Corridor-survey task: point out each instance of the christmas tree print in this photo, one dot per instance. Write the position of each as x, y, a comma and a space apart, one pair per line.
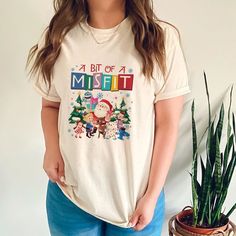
78, 111
124, 110
116, 110
79, 100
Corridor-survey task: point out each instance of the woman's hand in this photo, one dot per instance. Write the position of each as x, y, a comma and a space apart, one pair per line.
143, 213
53, 165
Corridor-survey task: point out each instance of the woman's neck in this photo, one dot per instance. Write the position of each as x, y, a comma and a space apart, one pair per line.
108, 16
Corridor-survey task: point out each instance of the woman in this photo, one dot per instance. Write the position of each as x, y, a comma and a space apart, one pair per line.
116, 60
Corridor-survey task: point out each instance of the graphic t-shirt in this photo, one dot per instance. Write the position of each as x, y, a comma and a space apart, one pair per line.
106, 115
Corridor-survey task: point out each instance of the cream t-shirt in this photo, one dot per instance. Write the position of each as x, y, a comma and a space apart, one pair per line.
106, 115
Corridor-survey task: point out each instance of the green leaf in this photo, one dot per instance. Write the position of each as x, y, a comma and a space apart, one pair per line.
228, 147
203, 169
194, 133
231, 210
194, 168
219, 126
212, 144
206, 186
217, 170
226, 181
207, 180
208, 99
234, 129
230, 169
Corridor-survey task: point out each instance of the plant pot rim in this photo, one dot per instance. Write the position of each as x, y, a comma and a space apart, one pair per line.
197, 229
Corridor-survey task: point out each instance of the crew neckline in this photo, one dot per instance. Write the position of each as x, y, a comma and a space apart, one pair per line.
106, 31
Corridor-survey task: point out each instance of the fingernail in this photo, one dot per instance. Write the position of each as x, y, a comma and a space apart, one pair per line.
62, 178
130, 224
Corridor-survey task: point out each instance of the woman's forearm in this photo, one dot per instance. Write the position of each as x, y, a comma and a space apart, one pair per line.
49, 118
53, 163
163, 151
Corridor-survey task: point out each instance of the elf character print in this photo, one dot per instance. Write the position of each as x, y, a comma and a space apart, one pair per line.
101, 107
78, 129
88, 118
122, 133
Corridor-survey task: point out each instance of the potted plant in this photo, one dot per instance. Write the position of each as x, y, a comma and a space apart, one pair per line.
210, 178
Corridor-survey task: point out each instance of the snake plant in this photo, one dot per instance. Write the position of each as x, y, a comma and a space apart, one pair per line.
215, 169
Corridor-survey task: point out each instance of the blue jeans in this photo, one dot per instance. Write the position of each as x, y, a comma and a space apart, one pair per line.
67, 219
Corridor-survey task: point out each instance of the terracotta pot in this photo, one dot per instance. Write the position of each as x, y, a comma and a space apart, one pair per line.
203, 231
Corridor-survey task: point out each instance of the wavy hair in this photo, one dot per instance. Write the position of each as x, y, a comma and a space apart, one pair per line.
148, 36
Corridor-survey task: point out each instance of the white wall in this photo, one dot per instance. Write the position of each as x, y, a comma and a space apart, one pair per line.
209, 40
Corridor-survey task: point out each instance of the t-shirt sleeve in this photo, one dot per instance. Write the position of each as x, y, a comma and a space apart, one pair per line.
40, 86
176, 82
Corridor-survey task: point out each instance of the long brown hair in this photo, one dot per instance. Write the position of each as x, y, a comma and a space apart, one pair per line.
148, 35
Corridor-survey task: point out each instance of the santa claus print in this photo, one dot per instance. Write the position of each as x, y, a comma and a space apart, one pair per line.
102, 112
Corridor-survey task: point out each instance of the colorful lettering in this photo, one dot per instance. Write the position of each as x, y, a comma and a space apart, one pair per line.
106, 82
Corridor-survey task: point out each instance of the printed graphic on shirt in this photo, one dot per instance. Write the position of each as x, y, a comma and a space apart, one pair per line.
100, 102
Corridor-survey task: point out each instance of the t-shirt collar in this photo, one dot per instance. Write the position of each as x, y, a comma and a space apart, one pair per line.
124, 24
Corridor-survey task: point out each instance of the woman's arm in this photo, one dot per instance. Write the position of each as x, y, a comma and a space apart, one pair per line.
167, 116
53, 163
